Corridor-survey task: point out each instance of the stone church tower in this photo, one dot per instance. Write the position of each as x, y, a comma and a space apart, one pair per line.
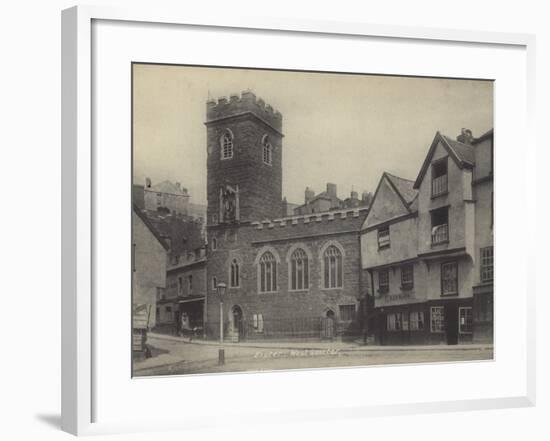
244, 171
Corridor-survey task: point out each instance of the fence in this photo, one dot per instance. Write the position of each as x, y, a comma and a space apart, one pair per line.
301, 328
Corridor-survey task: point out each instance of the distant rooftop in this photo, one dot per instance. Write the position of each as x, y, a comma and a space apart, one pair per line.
168, 187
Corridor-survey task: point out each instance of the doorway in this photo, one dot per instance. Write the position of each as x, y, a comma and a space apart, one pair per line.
451, 324
237, 322
327, 328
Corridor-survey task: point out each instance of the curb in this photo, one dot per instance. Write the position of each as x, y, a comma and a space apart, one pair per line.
468, 347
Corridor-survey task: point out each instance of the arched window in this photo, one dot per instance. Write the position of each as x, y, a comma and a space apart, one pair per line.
299, 270
332, 262
268, 272
235, 276
267, 150
226, 144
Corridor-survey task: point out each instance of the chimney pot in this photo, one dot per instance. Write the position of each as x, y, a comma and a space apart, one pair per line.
309, 194
465, 136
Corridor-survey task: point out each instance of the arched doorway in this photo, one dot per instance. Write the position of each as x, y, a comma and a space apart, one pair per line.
236, 331
328, 324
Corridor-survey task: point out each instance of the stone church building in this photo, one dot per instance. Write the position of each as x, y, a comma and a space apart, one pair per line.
286, 276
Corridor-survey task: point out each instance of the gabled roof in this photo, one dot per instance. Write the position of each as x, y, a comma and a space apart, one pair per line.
462, 154
403, 187
150, 226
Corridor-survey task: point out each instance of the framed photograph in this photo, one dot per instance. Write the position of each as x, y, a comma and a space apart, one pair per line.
276, 209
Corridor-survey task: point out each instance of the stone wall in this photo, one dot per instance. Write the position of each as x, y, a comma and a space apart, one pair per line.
246, 243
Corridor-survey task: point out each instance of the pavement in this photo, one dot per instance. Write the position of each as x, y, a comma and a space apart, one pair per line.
319, 345
174, 355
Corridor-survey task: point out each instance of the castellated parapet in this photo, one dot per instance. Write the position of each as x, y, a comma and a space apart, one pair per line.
237, 105
310, 218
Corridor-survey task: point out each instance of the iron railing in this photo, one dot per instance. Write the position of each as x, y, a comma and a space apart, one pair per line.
440, 233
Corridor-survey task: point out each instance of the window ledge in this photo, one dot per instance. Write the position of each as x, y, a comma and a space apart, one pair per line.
332, 289
443, 242
383, 247
454, 294
439, 195
486, 283
406, 288
298, 290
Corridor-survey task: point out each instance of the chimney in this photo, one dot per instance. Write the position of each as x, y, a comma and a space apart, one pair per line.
309, 195
465, 136
366, 196
147, 183
354, 195
331, 190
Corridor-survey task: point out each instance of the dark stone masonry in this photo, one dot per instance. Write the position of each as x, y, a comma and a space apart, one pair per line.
246, 223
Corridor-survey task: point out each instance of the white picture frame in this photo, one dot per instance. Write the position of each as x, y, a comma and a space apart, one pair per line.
80, 202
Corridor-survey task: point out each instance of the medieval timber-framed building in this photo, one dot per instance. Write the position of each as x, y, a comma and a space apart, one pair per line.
427, 246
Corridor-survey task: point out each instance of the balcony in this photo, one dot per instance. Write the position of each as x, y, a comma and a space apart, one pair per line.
440, 234
439, 185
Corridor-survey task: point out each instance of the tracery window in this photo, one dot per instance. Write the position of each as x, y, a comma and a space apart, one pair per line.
299, 270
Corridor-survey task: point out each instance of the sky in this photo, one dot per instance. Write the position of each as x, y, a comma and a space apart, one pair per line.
342, 128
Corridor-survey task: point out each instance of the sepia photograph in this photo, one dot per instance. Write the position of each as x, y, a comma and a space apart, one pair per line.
301, 220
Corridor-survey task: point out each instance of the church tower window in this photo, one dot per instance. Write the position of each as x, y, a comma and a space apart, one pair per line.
226, 142
267, 150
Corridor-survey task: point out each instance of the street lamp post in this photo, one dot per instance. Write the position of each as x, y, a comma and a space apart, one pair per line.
221, 287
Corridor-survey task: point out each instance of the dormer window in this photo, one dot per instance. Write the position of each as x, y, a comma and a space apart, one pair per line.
439, 177
267, 150
226, 144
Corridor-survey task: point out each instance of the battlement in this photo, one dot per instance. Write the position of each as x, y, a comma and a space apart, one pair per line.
327, 216
241, 104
